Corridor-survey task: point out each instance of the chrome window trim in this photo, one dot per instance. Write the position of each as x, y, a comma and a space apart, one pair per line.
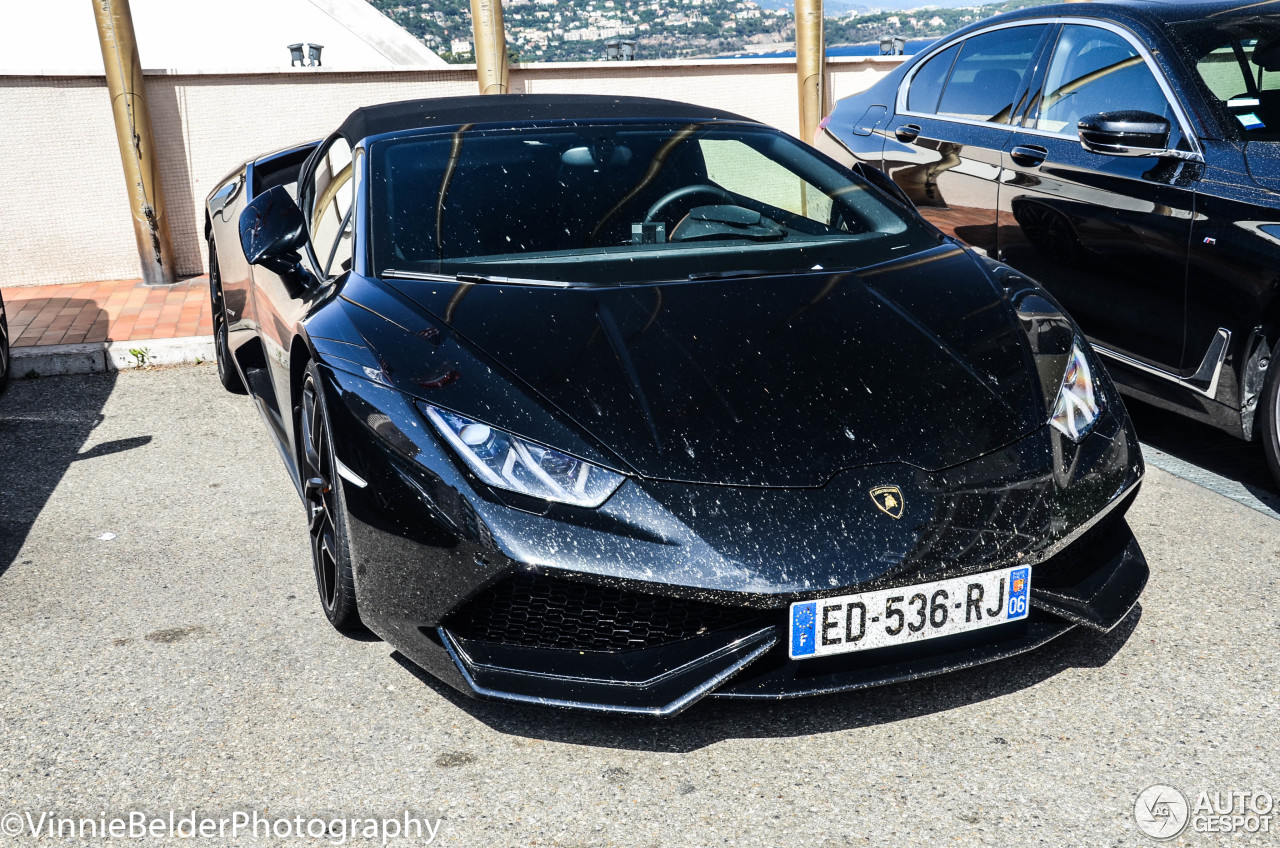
1184, 122
1204, 381
900, 105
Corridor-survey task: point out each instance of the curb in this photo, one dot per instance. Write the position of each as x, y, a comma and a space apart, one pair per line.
97, 357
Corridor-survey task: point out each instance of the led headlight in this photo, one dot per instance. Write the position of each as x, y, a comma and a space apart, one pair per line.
1077, 407
512, 463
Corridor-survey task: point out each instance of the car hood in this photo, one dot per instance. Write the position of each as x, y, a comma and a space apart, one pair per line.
770, 381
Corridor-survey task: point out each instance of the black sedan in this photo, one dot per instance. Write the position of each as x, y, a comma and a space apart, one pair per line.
1126, 156
616, 403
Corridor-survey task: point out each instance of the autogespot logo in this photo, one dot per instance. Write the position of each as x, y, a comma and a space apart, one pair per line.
1161, 811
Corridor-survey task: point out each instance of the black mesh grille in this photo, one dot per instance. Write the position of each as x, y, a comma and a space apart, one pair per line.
549, 612
1085, 555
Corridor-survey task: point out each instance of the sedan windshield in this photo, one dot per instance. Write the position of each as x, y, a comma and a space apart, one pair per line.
620, 203
1238, 58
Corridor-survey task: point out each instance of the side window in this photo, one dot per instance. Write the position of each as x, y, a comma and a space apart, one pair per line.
333, 191
989, 73
1095, 70
927, 84
748, 172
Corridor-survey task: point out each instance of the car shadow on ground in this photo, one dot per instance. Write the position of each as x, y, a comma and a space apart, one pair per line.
44, 425
1207, 449
711, 720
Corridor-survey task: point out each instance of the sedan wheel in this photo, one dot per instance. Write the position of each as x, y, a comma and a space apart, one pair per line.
4, 348
227, 373
1269, 417
326, 522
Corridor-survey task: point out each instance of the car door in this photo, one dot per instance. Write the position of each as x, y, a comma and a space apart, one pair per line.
1235, 241
951, 123
237, 276
326, 196
1106, 234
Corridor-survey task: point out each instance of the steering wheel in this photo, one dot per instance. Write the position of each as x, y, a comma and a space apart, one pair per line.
685, 191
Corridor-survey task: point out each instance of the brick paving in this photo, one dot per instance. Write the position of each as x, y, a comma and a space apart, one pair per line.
115, 310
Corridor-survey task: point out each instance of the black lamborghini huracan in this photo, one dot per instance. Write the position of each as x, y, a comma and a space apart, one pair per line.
615, 403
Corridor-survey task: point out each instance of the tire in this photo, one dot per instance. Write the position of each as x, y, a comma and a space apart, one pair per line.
326, 520
1268, 422
227, 373
4, 347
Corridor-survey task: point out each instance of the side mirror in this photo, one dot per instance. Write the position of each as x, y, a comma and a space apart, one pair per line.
272, 230
1128, 133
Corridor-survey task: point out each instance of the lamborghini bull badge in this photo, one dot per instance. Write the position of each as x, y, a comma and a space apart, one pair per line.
888, 500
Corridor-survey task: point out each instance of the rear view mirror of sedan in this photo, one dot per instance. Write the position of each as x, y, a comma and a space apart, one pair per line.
1129, 133
272, 230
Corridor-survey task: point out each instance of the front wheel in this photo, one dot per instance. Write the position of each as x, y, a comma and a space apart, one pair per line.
227, 373
326, 521
1269, 417
4, 346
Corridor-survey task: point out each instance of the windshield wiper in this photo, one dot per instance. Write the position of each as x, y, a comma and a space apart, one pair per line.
727, 236
730, 275
473, 279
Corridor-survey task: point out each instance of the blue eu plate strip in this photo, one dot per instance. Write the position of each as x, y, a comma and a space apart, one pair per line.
804, 622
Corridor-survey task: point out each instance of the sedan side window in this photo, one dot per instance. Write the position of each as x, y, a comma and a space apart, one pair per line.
989, 73
1095, 70
926, 86
330, 220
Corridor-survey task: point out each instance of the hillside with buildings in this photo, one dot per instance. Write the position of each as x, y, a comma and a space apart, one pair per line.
575, 30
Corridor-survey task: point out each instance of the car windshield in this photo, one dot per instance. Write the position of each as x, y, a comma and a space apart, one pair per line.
1239, 60
623, 202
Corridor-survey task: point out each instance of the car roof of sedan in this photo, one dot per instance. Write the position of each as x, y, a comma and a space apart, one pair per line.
516, 109
1165, 11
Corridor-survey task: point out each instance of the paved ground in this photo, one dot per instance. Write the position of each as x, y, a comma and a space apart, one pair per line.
184, 664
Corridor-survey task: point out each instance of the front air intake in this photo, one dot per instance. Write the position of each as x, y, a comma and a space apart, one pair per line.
550, 612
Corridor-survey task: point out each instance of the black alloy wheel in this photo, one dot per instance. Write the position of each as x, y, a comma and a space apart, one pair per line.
322, 495
227, 373
4, 347
1268, 422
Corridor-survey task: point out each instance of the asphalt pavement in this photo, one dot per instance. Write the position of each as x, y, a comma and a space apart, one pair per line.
162, 648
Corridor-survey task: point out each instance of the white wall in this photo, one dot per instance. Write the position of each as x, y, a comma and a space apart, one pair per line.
64, 215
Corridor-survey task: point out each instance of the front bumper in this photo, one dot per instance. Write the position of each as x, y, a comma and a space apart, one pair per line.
751, 661
686, 588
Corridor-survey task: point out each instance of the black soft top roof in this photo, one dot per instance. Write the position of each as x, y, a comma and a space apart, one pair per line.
516, 108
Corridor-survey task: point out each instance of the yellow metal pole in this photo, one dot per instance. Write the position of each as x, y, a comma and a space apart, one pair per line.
133, 132
491, 46
811, 61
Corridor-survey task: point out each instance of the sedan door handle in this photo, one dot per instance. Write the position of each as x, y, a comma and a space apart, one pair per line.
1028, 155
907, 133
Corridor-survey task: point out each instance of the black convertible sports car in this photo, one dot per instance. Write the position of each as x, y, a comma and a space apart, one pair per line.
1127, 156
616, 403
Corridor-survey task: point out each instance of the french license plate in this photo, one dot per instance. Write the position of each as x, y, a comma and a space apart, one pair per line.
908, 614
